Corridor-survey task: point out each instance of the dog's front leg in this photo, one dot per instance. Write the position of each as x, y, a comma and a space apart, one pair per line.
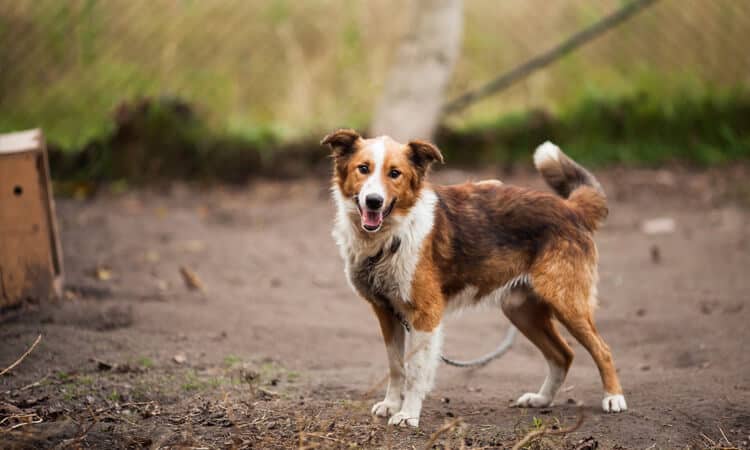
393, 335
424, 355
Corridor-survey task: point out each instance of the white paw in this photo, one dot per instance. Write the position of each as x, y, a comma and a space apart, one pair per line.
403, 419
614, 403
532, 400
385, 408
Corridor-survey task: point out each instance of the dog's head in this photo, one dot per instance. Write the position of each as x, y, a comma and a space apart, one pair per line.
382, 178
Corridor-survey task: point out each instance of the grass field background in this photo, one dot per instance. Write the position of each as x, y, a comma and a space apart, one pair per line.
270, 71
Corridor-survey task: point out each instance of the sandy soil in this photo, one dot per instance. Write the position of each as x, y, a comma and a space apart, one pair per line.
277, 352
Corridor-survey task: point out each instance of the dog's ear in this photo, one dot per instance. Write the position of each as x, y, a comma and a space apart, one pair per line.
423, 154
342, 142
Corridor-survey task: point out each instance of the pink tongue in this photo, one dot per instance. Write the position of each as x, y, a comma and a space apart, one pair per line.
372, 219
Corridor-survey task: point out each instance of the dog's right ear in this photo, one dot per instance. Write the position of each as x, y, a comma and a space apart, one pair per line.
342, 142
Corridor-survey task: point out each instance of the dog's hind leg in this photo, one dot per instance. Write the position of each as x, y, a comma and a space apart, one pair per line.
584, 330
570, 298
393, 336
534, 319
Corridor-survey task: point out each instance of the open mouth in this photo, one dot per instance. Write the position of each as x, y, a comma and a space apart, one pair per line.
373, 220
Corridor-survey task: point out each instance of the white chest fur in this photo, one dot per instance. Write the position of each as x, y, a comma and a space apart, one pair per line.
392, 275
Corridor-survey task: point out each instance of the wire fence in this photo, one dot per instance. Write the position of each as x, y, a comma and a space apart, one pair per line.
303, 66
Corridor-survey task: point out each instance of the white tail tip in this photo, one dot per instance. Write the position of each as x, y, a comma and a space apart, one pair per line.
546, 152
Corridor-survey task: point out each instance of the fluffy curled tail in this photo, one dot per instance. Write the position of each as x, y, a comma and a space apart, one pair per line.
572, 182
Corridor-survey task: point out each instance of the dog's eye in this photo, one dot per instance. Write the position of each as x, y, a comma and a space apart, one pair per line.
394, 173
363, 169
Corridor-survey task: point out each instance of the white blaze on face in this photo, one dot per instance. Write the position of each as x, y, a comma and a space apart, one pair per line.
374, 185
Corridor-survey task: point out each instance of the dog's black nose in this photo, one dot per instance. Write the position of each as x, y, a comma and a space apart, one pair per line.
373, 201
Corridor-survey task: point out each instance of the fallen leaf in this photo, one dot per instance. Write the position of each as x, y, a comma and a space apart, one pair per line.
193, 246
191, 279
103, 274
152, 256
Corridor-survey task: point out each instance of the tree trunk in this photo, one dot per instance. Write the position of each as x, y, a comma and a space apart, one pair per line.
412, 98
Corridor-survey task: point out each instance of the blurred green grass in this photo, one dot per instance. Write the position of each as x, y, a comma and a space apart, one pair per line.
636, 129
264, 75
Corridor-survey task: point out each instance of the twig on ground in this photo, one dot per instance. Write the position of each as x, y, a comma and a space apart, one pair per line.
16, 416
328, 438
536, 434
311, 446
28, 386
34, 384
709, 440
28, 419
725, 437
191, 279
18, 361
442, 430
84, 432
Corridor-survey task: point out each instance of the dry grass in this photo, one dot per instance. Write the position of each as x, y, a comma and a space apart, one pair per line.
315, 65
223, 411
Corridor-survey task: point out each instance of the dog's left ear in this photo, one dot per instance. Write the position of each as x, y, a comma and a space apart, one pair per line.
423, 154
341, 142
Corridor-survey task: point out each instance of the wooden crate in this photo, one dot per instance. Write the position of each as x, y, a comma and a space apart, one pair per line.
30, 253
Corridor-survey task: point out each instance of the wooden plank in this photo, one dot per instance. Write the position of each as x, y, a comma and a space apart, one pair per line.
45, 183
25, 253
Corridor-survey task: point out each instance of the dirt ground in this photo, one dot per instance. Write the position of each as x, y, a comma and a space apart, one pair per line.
277, 352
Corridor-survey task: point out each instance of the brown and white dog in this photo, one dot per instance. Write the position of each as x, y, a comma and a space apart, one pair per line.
417, 251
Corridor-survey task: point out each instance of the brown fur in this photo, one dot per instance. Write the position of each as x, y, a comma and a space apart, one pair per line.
428, 297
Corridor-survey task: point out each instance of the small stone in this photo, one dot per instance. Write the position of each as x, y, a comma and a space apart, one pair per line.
180, 358
655, 254
659, 225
